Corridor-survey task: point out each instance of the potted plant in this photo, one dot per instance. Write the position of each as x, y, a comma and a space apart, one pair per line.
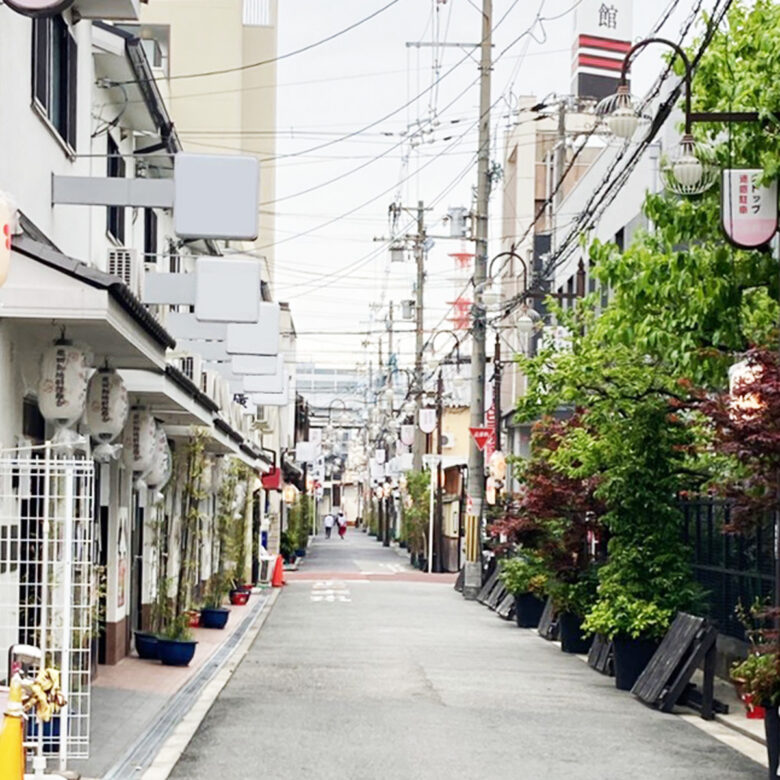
175, 645
635, 626
572, 600
286, 548
214, 614
525, 577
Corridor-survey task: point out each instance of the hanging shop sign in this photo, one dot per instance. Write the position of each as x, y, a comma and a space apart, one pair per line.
748, 209
62, 390
140, 441
407, 435
427, 420
39, 7
107, 409
273, 479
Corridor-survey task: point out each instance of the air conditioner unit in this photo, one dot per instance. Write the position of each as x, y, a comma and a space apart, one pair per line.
447, 440
191, 366
124, 263
262, 419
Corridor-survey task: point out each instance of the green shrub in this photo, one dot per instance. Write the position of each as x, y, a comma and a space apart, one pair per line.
525, 573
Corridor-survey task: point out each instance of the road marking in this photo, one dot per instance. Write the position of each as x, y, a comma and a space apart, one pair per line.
330, 591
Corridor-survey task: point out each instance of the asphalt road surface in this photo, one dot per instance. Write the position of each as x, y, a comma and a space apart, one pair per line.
362, 671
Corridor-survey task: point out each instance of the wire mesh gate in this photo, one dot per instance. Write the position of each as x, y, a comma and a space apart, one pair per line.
46, 582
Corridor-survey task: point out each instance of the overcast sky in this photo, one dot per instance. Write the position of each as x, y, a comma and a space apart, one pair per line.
332, 274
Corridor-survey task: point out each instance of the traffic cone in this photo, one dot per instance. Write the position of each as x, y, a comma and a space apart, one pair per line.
11, 736
278, 578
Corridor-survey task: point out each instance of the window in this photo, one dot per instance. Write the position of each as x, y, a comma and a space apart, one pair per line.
115, 215
257, 13
150, 236
55, 55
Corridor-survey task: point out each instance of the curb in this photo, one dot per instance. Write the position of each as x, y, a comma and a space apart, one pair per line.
169, 754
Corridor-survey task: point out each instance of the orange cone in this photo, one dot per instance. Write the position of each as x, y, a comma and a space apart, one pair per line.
278, 577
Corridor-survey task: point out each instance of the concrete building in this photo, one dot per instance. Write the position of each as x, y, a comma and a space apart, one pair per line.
83, 98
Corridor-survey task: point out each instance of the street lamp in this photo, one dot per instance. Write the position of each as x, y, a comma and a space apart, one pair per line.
690, 170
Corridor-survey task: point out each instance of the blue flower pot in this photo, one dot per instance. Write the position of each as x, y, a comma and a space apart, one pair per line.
176, 652
214, 617
146, 645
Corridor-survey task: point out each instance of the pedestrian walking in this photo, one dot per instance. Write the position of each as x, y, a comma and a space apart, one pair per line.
329, 521
342, 521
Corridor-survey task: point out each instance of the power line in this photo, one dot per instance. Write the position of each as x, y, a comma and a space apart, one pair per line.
280, 57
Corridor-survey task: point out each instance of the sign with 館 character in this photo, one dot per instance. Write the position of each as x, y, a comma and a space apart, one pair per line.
748, 208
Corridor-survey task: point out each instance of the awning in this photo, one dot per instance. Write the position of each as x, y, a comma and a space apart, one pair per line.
47, 290
292, 473
165, 397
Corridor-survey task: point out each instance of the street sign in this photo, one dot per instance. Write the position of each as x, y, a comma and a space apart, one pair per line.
481, 436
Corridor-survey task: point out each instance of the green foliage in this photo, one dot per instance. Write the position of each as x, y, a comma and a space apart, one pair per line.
416, 510
575, 597
299, 523
286, 546
190, 467
178, 629
759, 676
216, 591
524, 573
620, 614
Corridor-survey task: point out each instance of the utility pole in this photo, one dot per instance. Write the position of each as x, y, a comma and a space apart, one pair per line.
438, 534
472, 576
390, 367
419, 256
497, 389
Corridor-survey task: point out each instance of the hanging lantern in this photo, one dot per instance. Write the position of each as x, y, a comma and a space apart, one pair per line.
62, 390
497, 466
107, 409
744, 384
379, 456
7, 229
162, 465
139, 441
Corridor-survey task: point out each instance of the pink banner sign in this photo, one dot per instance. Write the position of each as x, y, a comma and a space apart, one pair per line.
748, 208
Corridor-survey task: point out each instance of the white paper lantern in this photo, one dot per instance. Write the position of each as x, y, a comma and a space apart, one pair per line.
107, 405
62, 390
162, 466
139, 441
407, 435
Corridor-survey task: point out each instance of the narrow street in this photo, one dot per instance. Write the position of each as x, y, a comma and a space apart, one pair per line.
364, 671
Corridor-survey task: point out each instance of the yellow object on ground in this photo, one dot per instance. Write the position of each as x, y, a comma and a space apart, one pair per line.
12, 735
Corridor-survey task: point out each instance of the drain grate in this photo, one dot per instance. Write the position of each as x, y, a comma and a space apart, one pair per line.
141, 753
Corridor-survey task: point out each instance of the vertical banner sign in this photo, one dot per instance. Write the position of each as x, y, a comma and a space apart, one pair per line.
748, 209
490, 422
427, 420
407, 435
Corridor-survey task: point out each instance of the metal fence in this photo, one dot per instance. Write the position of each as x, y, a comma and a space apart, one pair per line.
732, 568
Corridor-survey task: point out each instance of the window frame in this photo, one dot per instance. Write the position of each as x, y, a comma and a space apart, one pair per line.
116, 168
63, 124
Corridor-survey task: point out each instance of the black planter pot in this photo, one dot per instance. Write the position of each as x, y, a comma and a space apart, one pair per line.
422, 563
631, 658
572, 639
772, 732
528, 610
214, 617
146, 645
176, 652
